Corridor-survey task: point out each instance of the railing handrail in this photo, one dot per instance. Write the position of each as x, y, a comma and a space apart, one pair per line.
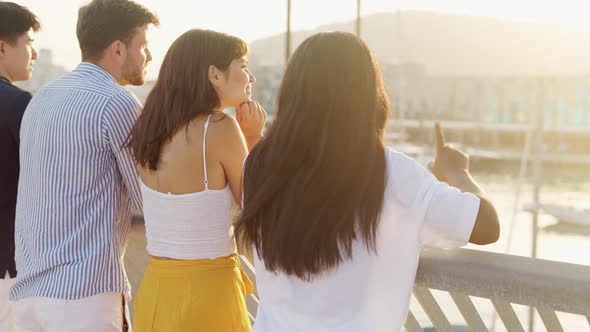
522, 280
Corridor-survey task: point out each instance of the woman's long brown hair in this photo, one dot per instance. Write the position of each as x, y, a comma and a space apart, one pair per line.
316, 182
183, 90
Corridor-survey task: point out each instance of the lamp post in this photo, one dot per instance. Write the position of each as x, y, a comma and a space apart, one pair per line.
358, 18
288, 34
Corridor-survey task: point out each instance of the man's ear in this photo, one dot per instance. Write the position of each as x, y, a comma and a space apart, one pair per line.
2, 47
118, 51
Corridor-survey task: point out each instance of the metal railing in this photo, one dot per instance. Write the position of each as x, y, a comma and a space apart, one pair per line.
547, 286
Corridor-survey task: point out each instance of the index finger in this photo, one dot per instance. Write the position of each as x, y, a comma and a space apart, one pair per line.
439, 138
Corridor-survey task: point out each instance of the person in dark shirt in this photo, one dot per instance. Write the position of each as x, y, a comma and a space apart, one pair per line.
17, 55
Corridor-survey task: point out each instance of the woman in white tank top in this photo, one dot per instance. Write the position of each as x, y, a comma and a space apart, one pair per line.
190, 157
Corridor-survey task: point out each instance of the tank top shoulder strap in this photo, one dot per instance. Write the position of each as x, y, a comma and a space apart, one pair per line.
204, 151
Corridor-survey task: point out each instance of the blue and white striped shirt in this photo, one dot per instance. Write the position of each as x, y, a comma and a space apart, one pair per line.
76, 189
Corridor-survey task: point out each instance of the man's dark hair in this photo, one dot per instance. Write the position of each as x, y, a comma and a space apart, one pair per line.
16, 20
102, 22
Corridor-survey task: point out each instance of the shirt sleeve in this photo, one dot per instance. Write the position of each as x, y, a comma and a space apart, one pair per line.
18, 107
121, 113
445, 216
449, 216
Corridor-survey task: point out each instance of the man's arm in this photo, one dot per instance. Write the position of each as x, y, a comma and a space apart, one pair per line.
118, 120
17, 110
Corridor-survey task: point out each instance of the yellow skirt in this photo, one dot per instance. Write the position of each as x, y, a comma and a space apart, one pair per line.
193, 295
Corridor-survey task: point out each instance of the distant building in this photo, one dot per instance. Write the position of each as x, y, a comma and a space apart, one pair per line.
416, 94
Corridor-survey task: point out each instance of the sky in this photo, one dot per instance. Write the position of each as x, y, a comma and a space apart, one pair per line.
254, 19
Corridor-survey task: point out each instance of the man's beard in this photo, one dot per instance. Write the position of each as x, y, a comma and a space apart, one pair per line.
133, 74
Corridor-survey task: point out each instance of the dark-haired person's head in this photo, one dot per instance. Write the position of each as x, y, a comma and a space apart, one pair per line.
316, 182
112, 34
17, 54
203, 71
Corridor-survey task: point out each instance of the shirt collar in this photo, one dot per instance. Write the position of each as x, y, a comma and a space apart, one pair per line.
94, 70
4, 79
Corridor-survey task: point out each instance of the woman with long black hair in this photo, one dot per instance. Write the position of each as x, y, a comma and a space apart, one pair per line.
336, 218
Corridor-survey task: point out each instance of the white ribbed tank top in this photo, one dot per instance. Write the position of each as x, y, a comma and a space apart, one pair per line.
189, 226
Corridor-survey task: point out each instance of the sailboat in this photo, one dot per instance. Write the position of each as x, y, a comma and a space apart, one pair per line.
563, 213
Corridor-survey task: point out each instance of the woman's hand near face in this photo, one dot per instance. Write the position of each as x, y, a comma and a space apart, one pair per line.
251, 118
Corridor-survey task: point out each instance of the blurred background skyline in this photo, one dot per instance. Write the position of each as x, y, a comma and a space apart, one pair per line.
259, 19
456, 60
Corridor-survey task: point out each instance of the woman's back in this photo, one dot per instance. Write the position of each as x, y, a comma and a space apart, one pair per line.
188, 202
181, 166
371, 291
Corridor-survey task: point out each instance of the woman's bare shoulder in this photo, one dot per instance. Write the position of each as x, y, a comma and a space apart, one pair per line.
223, 124
225, 131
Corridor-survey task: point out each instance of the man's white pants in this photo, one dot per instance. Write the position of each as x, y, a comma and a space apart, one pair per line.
6, 322
100, 313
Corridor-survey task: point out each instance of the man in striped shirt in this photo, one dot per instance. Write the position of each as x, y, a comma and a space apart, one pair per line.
78, 181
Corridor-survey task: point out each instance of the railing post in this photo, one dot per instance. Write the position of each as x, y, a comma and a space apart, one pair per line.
550, 320
537, 176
